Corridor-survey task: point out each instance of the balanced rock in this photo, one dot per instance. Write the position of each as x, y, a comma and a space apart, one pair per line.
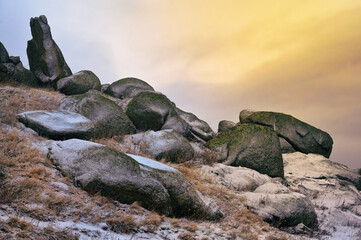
167, 144
57, 124
127, 88
154, 111
78, 83
300, 135
252, 146
225, 125
45, 58
108, 118
129, 178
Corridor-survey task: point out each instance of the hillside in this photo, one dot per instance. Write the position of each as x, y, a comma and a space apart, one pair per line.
82, 160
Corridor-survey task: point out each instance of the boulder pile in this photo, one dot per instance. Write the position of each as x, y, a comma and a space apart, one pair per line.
134, 115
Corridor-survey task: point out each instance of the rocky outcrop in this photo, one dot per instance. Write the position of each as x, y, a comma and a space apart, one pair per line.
154, 111
127, 88
332, 189
167, 144
108, 118
12, 68
252, 146
57, 124
300, 135
128, 178
78, 83
265, 196
225, 125
104, 87
45, 58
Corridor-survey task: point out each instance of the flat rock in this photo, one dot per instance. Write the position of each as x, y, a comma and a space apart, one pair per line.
107, 116
57, 124
45, 58
128, 178
167, 144
252, 146
78, 83
300, 135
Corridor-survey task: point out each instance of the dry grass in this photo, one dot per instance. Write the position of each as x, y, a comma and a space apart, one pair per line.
123, 224
152, 221
186, 236
190, 226
14, 100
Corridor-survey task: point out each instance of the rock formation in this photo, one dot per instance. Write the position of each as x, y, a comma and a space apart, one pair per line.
12, 68
251, 146
78, 83
45, 58
129, 178
300, 135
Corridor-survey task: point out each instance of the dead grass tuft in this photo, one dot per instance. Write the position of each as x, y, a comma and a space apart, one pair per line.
186, 236
124, 224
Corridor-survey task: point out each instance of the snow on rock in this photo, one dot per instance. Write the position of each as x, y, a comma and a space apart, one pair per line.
152, 164
331, 187
57, 124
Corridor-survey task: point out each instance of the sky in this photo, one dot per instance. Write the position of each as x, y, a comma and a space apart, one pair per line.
216, 57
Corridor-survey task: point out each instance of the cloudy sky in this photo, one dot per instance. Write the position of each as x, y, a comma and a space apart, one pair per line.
215, 58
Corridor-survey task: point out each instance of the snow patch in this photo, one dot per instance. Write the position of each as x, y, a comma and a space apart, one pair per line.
152, 164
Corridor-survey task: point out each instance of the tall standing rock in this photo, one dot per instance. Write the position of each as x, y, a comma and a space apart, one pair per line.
45, 58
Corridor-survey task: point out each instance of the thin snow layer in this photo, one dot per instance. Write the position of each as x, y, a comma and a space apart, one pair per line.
58, 120
336, 201
152, 164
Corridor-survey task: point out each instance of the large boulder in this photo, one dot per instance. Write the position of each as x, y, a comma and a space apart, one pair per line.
45, 58
281, 209
127, 88
167, 144
4, 56
199, 129
128, 178
108, 118
300, 135
78, 83
154, 111
57, 124
225, 125
252, 146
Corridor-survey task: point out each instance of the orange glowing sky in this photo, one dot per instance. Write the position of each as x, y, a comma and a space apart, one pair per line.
217, 57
